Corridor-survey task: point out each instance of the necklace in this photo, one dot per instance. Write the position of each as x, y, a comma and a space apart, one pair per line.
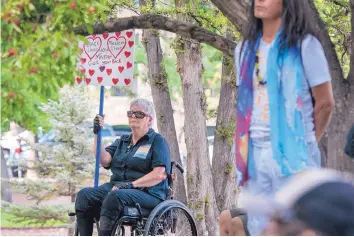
261, 81
130, 146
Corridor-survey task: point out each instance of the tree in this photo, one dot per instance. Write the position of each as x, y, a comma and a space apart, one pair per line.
63, 165
161, 96
223, 157
38, 53
201, 195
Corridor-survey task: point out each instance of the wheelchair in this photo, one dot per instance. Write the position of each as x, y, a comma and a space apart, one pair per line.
170, 217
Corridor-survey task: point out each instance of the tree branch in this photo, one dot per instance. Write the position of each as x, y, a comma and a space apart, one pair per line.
158, 22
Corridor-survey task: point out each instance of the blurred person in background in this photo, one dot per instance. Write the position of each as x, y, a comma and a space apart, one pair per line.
314, 202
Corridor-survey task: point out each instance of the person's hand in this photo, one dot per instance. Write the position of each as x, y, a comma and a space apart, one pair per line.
98, 122
124, 185
174, 176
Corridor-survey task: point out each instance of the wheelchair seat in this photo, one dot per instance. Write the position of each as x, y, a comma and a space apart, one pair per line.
131, 211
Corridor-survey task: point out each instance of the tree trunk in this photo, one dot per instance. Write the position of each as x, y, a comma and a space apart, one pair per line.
201, 199
162, 100
351, 73
223, 157
201, 196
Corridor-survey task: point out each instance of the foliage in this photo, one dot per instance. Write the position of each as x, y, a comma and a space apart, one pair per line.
39, 49
38, 46
62, 165
38, 53
336, 15
37, 216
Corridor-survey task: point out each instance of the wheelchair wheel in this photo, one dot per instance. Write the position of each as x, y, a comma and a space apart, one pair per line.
172, 218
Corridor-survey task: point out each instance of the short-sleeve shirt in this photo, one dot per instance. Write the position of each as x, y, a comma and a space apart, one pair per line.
316, 72
130, 163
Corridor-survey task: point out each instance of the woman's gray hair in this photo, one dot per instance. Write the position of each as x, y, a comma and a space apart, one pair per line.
147, 106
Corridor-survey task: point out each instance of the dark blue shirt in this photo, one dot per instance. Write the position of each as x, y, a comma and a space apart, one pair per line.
130, 163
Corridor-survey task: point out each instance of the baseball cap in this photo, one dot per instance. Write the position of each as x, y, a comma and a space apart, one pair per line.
321, 198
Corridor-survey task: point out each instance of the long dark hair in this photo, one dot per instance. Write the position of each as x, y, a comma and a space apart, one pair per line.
296, 23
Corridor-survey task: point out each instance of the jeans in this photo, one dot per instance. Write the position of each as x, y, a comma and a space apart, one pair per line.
101, 202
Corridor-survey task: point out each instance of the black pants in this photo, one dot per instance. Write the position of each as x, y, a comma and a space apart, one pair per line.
102, 202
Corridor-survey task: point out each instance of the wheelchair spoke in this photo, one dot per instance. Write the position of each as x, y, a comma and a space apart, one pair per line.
173, 222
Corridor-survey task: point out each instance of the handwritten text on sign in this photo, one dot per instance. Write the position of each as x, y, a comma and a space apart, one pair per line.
107, 59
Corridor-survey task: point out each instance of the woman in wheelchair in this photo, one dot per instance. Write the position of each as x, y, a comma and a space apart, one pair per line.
139, 163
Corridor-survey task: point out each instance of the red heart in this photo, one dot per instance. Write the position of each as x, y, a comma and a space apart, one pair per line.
117, 34
105, 35
88, 80
83, 60
114, 50
109, 71
99, 79
120, 69
129, 34
78, 80
131, 43
83, 70
91, 72
129, 65
115, 81
127, 81
127, 54
94, 45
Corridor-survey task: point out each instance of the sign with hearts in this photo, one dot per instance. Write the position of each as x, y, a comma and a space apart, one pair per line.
107, 59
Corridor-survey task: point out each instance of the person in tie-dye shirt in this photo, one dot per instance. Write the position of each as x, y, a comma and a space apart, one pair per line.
300, 77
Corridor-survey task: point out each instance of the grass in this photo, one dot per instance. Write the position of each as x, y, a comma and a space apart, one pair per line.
7, 220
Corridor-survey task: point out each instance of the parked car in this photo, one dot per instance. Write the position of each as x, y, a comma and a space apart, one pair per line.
107, 133
121, 130
16, 153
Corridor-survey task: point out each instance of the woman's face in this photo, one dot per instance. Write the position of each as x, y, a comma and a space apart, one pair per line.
135, 120
267, 9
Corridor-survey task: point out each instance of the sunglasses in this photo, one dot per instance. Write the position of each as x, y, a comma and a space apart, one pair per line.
137, 114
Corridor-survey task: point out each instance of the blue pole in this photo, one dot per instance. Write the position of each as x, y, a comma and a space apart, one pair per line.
98, 148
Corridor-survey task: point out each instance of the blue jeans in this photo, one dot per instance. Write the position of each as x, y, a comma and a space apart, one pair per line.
102, 201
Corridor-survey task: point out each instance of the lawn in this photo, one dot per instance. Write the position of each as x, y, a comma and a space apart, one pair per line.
7, 220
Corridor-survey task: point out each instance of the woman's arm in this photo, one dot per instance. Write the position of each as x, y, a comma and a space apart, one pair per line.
105, 157
156, 176
324, 105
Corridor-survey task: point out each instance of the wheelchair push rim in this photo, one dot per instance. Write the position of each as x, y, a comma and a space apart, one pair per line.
171, 219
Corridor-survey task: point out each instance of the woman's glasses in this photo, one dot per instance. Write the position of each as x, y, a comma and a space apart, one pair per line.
137, 114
